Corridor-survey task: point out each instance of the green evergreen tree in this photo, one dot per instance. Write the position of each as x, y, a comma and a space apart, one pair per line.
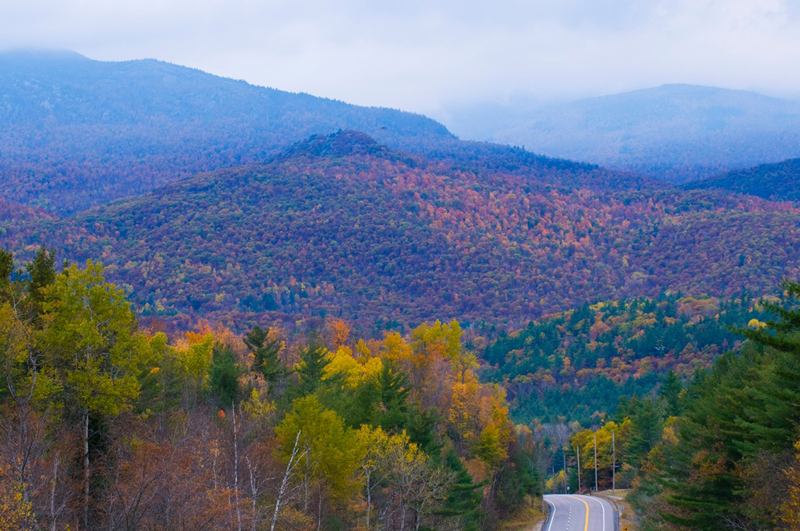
6, 270
42, 273
311, 369
670, 393
772, 418
646, 425
266, 359
464, 495
6, 267
224, 375
699, 473
393, 388
420, 426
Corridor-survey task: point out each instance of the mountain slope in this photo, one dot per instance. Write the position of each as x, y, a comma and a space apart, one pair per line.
76, 132
612, 349
342, 225
675, 131
780, 181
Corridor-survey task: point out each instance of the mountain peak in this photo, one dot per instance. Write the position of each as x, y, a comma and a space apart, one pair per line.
342, 143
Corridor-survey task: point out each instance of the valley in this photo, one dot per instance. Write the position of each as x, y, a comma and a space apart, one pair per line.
230, 306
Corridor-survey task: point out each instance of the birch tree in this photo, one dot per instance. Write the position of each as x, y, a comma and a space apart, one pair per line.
95, 351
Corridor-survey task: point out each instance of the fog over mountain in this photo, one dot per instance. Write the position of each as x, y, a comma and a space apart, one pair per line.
678, 132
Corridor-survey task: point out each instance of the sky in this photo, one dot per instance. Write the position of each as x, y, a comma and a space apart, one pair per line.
433, 56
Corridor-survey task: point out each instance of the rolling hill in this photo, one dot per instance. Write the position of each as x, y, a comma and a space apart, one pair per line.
76, 133
342, 225
780, 181
677, 132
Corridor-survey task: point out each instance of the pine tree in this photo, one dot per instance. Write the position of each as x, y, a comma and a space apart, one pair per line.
670, 392
772, 417
464, 496
224, 375
646, 424
394, 389
266, 359
311, 369
42, 273
6, 267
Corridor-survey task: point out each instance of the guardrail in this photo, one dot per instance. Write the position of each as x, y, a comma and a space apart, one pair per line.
548, 515
617, 511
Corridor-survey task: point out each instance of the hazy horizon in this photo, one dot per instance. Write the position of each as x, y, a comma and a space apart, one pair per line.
437, 57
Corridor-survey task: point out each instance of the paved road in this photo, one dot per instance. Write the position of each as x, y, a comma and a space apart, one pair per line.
579, 513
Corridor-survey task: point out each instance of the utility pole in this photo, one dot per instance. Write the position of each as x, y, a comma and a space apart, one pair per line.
613, 464
564, 452
595, 462
578, 450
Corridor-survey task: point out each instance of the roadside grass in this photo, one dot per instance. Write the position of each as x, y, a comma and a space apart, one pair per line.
529, 518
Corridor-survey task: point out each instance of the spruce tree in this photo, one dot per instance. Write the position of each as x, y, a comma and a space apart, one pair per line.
42, 273
224, 375
393, 387
311, 369
670, 393
266, 359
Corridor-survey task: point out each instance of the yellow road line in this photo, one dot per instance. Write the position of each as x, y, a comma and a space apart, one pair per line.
586, 524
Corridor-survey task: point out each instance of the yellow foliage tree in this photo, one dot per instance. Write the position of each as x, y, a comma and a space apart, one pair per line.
353, 371
16, 514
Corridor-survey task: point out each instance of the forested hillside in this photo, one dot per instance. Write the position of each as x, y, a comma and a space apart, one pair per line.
718, 450
714, 445
76, 132
727, 454
780, 181
575, 366
343, 226
106, 426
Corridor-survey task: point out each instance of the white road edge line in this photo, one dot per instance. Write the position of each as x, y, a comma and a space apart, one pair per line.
553, 505
602, 506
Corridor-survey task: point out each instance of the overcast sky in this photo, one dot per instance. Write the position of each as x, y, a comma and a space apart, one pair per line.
432, 55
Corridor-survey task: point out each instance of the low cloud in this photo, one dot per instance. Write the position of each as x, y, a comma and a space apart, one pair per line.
431, 55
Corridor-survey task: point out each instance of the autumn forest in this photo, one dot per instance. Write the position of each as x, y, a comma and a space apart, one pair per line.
229, 307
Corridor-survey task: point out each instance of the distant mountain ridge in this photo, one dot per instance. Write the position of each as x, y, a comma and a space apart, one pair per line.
342, 225
677, 132
75, 132
780, 181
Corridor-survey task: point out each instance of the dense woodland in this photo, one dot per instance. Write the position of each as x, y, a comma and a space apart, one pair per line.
773, 181
342, 226
575, 366
106, 426
718, 450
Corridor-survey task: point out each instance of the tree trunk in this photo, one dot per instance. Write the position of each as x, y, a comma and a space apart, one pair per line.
236, 468
319, 510
53, 494
254, 495
369, 498
86, 474
293, 460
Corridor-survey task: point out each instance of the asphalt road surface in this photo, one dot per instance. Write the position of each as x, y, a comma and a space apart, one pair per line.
579, 513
